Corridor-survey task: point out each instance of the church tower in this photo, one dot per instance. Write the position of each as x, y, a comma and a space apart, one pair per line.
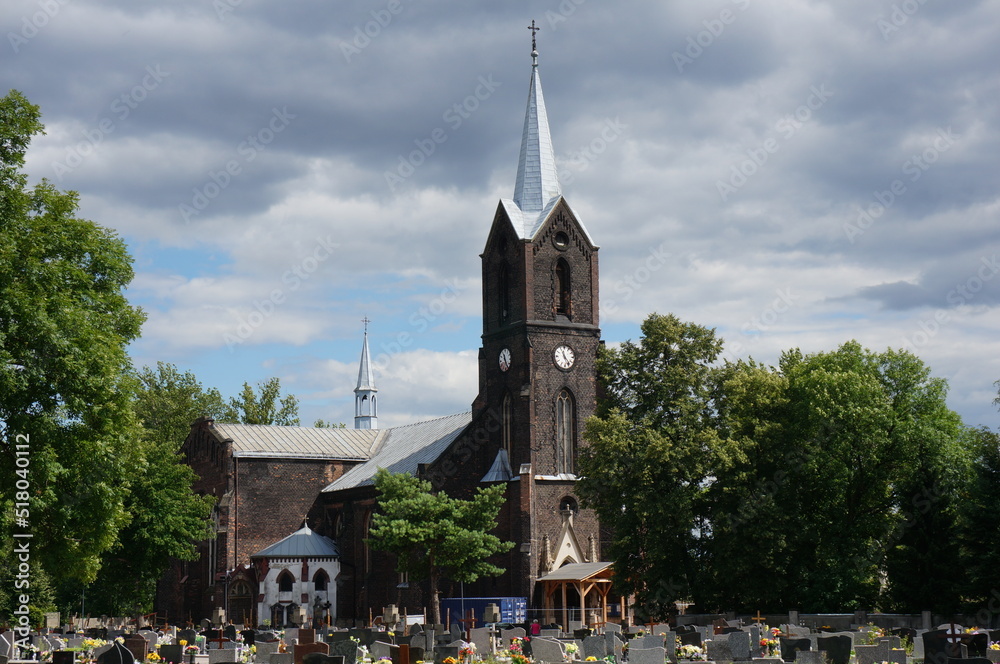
365, 399
537, 374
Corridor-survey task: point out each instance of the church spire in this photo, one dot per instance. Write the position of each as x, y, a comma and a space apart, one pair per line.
365, 399
537, 180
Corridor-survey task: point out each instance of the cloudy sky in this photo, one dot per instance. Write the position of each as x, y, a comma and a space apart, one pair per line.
792, 173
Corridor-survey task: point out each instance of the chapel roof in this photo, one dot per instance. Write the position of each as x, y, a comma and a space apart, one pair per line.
280, 442
303, 543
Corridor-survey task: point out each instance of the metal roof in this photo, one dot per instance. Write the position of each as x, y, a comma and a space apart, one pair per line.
266, 441
536, 189
303, 543
500, 470
403, 448
576, 572
366, 377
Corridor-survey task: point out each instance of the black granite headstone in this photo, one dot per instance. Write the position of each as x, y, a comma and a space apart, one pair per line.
789, 646
172, 653
116, 654
837, 648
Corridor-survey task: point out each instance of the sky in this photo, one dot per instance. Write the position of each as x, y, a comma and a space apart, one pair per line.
793, 174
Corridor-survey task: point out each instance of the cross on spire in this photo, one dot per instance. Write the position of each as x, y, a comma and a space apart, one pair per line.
534, 48
365, 320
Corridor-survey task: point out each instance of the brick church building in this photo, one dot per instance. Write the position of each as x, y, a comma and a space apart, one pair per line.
311, 489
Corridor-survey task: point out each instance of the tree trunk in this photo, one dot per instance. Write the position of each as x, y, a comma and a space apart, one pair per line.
435, 596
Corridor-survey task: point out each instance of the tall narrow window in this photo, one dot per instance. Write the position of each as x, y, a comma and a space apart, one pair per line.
564, 304
507, 423
366, 552
285, 581
504, 295
320, 580
565, 446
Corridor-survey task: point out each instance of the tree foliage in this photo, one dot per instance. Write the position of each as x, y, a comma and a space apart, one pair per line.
267, 407
65, 382
828, 483
435, 536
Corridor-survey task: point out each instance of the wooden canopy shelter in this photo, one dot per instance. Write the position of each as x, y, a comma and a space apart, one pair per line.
585, 578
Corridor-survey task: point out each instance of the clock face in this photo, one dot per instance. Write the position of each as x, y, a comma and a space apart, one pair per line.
505, 359
564, 357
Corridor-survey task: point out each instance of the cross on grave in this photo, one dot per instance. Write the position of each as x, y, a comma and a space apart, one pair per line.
758, 618
469, 622
219, 639
952, 635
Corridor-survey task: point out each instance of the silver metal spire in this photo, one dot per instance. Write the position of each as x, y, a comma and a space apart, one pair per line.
365, 399
537, 180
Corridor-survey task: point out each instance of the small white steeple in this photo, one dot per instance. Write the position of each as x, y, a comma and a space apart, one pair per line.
537, 180
365, 394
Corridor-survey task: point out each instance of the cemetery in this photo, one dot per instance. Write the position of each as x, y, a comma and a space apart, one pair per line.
396, 638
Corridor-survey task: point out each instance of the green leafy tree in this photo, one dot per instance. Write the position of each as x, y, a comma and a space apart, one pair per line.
321, 424
435, 536
980, 518
168, 518
652, 445
268, 407
65, 383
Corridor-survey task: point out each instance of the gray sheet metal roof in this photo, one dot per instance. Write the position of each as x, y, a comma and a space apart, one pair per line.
403, 448
263, 441
303, 543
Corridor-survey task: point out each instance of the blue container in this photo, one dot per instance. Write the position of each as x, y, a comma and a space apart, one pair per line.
512, 609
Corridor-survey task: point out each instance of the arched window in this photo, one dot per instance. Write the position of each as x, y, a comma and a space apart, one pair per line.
507, 423
565, 438
285, 581
366, 550
569, 504
563, 299
320, 580
504, 295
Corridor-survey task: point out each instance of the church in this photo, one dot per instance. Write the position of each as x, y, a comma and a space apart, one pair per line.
294, 504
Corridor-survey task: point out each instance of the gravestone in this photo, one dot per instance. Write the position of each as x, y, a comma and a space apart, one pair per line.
875, 654
306, 635
647, 655
291, 635
63, 657
594, 646
348, 649
612, 627
550, 633
116, 653
280, 658
809, 657
754, 632
137, 646
507, 634
690, 639
739, 645
223, 656
442, 653
547, 650
171, 653
480, 636
229, 631
648, 641
613, 644
100, 650
837, 648
320, 658
897, 656
789, 646
188, 635
265, 649
300, 650
718, 649
379, 649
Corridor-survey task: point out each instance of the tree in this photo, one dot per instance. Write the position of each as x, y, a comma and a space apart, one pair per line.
321, 424
435, 536
653, 444
65, 385
267, 408
980, 517
168, 518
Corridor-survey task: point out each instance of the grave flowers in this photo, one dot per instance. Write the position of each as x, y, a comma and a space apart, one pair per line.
449, 660
572, 649
995, 645
690, 652
466, 652
769, 646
